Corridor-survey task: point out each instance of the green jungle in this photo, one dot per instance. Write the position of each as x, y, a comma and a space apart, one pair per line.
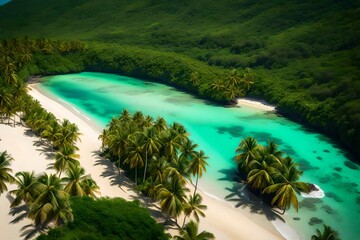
304, 55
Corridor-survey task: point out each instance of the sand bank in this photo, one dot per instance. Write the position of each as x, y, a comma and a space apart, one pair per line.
261, 105
224, 220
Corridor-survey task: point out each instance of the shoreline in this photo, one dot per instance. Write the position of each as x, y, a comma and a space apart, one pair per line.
254, 103
224, 226
265, 226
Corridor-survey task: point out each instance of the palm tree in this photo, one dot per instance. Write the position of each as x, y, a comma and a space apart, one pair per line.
327, 234
5, 100
104, 137
190, 232
194, 79
160, 124
172, 197
259, 177
194, 206
273, 152
233, 78
157, 169
150, 143
170, 144
217, 86
75, 175
285, 189
64, 157
68, 134
118, 142
50, 131
197, 166
5, 170
135, 157
26, 190
52, 204
247, 79
91, 189
247, 151
125, 116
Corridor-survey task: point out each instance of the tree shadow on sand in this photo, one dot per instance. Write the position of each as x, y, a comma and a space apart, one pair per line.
242, 197
111, 172
116, 177
20, 213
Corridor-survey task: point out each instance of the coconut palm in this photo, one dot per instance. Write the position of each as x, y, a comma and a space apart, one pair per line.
194, 206
91, 189
194, 79
118, 141
151, 145
68, 134
138, 118
50, 131
247, 79
217, 86
190, 232
259, 177
273, 152
52, 204
135, 157
327, 234
5, 100
285, 189
26, 188
171, 142
64, 157
197, 166
157, 168
104, 137
125, 116
233, 78
181, 131
75, 176
247, 151
172, 197
160, 124
5, 170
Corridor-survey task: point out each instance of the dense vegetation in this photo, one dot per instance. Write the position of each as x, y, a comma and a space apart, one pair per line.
304, 53
269, 174
107, 218
43, 198
47, 196
166, 157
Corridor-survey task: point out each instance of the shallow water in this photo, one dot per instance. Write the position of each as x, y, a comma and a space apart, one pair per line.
218, 131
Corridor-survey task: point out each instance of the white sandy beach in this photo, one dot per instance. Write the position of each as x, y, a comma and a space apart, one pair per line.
249, 102
222, 219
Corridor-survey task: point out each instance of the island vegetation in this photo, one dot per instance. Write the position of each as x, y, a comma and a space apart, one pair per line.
269, 174
304, 54
165, 156
108, 218
302, 65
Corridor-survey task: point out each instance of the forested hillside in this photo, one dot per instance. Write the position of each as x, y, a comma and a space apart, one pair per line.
305, 55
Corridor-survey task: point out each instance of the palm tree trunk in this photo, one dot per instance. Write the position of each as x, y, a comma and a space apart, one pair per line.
197, 178
136, 176
146, 159
184, 221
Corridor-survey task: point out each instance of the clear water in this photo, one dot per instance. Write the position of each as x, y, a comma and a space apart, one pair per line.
218, 130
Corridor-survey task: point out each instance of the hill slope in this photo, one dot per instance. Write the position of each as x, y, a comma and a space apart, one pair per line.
305, 54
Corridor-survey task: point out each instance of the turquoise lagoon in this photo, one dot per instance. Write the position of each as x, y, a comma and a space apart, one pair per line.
218, 131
